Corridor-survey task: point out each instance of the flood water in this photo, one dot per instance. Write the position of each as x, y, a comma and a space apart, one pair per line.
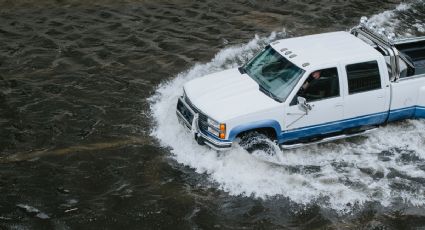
89, 138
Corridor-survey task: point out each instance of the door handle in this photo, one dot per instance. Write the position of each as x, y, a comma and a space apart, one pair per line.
338, 105
380, 96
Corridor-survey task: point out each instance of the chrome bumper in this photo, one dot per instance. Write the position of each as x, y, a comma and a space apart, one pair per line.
199, 135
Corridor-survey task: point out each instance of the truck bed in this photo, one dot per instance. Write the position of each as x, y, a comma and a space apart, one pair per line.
414, 50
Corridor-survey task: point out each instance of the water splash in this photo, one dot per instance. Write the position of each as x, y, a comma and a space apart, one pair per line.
404, 21
387, 167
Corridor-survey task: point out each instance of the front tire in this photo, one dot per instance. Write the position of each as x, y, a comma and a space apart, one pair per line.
253, 141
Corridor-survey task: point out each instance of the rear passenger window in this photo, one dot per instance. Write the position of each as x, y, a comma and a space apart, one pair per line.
363, 77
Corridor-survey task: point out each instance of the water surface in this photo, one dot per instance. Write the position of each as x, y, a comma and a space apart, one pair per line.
89, 139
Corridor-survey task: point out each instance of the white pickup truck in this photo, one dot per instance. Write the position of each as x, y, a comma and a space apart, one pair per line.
309, 89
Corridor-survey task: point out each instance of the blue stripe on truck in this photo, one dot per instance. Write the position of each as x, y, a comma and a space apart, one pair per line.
372, 119
336, 126
330, 127
420, 112
404, 113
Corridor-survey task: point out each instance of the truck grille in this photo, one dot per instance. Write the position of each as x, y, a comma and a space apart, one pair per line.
203, 119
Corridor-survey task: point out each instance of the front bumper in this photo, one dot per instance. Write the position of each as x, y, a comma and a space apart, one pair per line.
202, 137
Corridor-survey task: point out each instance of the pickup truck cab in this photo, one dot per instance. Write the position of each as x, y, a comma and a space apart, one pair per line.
309, 89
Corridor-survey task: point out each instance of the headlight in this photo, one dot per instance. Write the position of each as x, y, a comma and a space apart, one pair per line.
213, 131
217, 128
213, 123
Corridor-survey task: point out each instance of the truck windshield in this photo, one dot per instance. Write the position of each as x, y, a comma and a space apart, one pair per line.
274, 73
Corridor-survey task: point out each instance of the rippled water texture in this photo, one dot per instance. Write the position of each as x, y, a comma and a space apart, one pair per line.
89, 137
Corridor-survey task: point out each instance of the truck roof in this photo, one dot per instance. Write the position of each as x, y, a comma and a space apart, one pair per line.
322, 49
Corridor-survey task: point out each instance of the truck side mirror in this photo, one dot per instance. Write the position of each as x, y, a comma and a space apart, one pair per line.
304, 105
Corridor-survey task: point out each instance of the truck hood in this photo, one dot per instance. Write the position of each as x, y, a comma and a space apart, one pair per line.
227, 95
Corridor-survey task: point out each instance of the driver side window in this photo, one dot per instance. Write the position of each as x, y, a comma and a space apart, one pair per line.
321, 84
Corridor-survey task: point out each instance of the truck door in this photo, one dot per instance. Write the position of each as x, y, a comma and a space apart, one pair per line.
323, 93
367, 93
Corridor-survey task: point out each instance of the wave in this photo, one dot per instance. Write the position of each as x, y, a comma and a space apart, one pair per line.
403, 21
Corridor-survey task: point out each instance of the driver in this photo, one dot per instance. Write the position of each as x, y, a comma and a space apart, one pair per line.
312, 78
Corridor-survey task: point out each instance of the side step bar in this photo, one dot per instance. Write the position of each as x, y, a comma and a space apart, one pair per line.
327, 139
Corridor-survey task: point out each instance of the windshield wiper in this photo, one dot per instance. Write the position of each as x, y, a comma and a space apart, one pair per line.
270, 94
242, 70
261, 83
